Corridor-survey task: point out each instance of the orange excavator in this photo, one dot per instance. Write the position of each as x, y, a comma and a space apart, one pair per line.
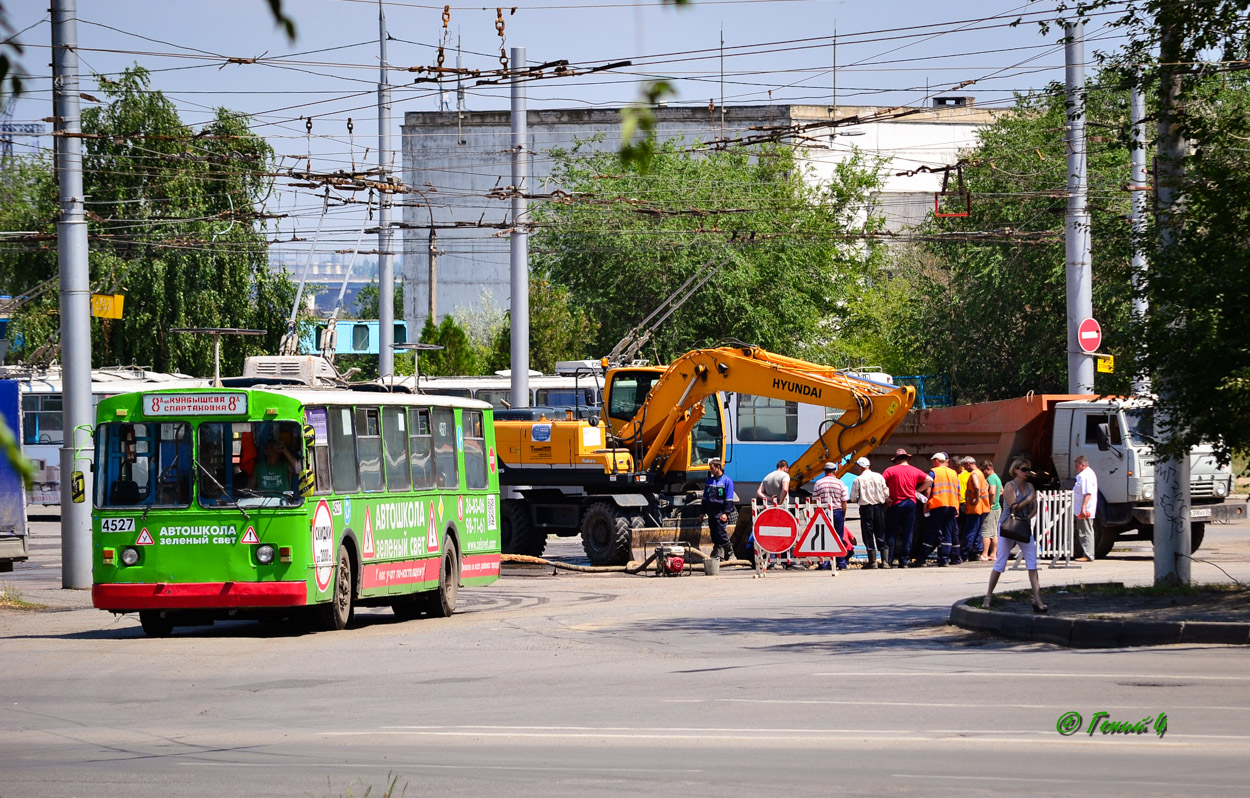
641, 458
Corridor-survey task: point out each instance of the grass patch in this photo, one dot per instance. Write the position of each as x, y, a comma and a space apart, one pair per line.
11, 599
393, 789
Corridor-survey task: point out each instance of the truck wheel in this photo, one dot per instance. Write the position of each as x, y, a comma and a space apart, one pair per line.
1104, 539
337, 613
1197, 532
442, 602
517, 532
156, 623
607, 536
740, 533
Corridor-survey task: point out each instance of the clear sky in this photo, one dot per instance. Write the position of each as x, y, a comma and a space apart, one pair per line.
892, 52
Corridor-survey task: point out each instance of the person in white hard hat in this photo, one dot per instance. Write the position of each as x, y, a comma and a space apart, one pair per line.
869, 491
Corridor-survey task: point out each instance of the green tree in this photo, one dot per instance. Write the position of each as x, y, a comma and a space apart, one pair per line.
459, 355
793, 262
174, 227
558, 331
982, 298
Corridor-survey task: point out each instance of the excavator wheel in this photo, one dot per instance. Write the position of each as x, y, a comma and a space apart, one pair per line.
517, 532
740, 533
607, 535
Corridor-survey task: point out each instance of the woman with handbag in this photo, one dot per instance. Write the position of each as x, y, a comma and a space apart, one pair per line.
1019, 507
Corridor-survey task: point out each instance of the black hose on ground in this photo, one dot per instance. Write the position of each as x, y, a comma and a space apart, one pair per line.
631, 568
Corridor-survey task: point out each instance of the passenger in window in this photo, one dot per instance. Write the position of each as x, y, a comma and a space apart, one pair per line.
273, 474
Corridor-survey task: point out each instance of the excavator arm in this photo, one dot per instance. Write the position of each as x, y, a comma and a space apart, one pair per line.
870, 411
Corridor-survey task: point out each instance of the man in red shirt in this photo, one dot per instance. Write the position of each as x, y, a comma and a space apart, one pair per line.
903, 481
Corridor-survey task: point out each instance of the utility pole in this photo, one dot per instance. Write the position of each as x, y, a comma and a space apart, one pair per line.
1172, 533
386, 266
520, 237
432, 311
1138, 183
1076, 224
71, 248
834, 113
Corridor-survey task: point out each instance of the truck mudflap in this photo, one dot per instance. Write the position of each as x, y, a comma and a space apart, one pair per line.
13, 548
1222, 513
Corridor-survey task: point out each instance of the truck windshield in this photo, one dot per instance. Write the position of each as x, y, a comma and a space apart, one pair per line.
1141, 425
249, 464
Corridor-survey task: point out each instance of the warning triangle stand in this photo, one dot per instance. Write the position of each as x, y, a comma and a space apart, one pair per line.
820, 538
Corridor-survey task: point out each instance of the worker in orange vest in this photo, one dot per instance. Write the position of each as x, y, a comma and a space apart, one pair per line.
941, 510
976, 506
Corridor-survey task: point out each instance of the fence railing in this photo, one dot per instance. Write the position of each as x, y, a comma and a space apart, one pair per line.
1053, 528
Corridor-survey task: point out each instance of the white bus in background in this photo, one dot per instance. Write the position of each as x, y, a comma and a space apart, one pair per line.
575, 384
43, 426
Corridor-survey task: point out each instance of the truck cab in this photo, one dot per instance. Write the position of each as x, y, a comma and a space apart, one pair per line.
1115, 435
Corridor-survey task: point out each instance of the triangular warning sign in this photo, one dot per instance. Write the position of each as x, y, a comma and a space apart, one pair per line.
820, 538
250, 536
368, 544
431, 542
145, 539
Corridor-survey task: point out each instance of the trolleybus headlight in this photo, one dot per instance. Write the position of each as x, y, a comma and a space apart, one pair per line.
264, 554
130, 555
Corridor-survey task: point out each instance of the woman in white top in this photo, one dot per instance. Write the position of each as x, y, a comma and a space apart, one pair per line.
1020, 498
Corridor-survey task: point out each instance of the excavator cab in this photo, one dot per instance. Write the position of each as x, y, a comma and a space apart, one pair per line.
685, 466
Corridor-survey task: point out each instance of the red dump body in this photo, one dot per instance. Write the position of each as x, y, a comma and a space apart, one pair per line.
988, 430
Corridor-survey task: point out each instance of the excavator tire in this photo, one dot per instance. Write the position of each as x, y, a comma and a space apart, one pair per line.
740, 533
517, 532
606, 535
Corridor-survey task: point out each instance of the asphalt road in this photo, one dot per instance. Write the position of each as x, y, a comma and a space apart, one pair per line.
571, 685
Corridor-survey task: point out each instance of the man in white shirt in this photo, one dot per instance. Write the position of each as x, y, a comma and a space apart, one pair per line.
870, 492
1084, 505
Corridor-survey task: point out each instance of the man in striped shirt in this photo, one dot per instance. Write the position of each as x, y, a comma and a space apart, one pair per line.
830, 492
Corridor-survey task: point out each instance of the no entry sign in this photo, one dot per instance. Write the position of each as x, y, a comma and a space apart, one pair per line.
775, 530
1089, 336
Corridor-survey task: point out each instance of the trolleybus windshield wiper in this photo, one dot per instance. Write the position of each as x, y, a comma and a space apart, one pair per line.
231, 502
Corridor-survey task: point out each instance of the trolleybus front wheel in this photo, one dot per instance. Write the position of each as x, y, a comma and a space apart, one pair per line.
337, 613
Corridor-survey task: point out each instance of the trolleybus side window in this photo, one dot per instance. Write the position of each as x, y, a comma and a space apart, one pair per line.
42, 421
474, 450
500, 398
445, 447
249, 464
761, 418
343, 451
421, 448
369, 449
319, 419
144, 464
395, 440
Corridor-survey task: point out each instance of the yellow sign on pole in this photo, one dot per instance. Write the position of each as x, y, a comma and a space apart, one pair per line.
107, 306
1106, 364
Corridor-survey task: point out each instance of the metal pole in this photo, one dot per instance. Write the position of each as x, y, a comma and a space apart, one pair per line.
71, 233
722, 80
386, 266
433, 309
1172, 531
834, 113
520, 238
1141, 306
1076, 225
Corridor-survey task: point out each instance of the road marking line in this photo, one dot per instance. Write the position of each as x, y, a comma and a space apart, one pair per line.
1083, 781
965, 705
1040, 674
418, 765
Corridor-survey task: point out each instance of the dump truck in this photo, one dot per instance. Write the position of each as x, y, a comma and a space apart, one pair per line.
1052, 430
640, 459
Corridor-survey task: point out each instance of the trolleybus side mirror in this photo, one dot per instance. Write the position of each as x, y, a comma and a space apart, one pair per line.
77, 487
307, 483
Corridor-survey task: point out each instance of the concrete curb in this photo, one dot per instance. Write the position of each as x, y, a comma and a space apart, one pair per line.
1090, 633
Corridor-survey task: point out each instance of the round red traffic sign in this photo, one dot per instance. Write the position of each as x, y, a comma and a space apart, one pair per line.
1089, 336
775, 530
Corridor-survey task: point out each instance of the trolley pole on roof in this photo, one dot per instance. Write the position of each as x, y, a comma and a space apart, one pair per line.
71, 247
520, 238
386, 266
1076, 225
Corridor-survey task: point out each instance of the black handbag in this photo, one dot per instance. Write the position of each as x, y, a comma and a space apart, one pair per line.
1017, 528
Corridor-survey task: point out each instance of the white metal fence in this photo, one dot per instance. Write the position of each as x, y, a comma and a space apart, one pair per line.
1053, 528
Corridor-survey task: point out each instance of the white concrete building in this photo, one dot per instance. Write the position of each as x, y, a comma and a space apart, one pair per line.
455, 160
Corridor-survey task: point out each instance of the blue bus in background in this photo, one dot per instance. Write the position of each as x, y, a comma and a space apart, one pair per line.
355, 336
13, 546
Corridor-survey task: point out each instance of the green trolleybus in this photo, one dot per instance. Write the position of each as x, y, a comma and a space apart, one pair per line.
214, 503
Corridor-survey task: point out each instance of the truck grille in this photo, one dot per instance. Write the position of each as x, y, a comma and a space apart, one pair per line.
1197, 489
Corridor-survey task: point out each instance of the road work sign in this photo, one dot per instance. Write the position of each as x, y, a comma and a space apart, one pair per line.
820, 538
775, 530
